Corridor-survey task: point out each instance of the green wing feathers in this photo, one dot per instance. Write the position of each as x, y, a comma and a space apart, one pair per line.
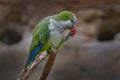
41, 29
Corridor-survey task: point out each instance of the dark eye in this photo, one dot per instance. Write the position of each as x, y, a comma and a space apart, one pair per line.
71, 20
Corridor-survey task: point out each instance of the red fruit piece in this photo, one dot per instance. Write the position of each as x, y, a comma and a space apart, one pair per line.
73, 31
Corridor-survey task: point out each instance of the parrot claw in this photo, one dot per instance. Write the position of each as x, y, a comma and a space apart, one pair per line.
70, 34
53, 49
67, 37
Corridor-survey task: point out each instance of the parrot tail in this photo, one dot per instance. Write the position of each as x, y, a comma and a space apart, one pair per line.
33, 53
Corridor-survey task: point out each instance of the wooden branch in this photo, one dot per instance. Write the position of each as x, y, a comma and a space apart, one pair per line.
48, 65
25, 73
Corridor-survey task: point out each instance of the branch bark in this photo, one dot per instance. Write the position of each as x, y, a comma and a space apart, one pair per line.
25, 73
48, 65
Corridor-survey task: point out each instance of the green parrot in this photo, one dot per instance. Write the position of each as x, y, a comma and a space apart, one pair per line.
49, 33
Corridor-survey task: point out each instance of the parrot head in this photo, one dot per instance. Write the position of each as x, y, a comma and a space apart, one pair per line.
67, 20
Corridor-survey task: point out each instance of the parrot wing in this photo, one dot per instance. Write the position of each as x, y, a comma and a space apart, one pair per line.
40, 36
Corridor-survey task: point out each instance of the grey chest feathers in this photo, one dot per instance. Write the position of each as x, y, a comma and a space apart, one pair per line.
55, 38
56, 29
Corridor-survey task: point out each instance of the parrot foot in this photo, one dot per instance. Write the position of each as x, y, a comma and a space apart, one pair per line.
52, 50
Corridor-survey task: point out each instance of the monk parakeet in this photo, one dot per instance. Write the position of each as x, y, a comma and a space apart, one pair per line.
49, 33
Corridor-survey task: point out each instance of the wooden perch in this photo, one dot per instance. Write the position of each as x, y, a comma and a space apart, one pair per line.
48, 65
25, 73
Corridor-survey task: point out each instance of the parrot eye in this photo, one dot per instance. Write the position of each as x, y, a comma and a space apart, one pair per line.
72, 20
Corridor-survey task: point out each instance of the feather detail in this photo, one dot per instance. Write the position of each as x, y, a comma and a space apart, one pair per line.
33, 53
37, 48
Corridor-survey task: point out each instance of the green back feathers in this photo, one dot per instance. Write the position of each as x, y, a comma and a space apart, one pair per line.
64, 15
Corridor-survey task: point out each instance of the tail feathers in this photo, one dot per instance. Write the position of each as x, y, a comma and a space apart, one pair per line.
33, 53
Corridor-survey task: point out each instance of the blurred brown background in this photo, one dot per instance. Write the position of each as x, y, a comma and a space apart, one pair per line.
93, 54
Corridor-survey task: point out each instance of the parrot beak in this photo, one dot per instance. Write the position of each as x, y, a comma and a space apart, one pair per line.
72, 27
73, 30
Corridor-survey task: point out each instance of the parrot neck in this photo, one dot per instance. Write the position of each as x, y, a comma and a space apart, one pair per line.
59, 26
